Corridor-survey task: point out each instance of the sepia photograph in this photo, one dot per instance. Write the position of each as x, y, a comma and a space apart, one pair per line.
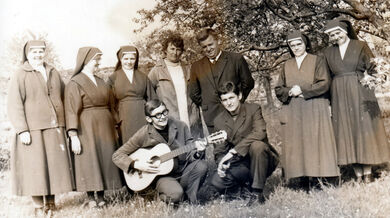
195, 108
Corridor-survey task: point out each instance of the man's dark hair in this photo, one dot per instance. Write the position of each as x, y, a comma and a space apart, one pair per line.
151, 105
204, 33
175, 39
228, 87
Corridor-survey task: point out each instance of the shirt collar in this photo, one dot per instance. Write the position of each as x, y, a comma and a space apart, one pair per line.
213, 60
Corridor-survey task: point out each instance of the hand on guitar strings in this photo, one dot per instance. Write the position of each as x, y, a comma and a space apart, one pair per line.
146, 166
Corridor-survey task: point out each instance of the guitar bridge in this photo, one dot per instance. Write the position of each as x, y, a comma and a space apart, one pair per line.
139, 174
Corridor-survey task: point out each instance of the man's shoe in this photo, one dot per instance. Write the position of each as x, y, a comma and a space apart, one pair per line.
255, 199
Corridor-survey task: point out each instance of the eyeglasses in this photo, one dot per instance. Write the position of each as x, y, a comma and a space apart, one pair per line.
159, 115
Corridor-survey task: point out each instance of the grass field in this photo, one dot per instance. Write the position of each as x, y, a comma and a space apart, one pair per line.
349, 200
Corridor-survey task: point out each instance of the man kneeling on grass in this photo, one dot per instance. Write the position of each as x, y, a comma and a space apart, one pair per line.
245, 157
189, 169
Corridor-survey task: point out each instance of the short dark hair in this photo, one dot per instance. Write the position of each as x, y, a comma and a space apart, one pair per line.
175, 39
204, 33
151, 105
228, 87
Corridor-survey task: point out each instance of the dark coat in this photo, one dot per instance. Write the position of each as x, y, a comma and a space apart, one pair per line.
248, 127
206, 78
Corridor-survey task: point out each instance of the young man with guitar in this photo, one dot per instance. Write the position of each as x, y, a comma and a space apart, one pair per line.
246, 155
180, 170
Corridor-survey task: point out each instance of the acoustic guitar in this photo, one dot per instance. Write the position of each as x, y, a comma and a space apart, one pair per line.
161, 156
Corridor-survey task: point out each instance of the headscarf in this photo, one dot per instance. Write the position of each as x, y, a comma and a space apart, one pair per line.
85, 55
124, 50
32, 44
343, 25
295, 35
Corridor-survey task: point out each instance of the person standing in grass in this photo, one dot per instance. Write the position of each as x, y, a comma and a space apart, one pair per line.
309, 145
89, 109
170, 78
40, 159
246, 156
359, 130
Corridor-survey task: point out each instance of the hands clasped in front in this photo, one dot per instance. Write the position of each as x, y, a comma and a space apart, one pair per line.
295, 91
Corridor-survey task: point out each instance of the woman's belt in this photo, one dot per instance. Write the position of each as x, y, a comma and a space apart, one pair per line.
345, 74
96, 108
133, 98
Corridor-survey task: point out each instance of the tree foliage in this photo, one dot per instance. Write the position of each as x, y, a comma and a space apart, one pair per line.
12, 56
258, 28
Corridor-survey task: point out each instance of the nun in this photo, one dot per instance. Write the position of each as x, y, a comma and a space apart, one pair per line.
359, 130
309, 146
131, 88
40, 159
90, 126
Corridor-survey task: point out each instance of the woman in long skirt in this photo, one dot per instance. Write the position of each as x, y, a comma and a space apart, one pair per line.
359, 129
90, 125
132, 89
40, 159
309, 146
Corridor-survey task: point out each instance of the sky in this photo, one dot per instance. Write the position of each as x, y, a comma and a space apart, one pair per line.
71, 24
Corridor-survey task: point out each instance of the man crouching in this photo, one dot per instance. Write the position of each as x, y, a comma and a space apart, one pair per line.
189, 169
246, 155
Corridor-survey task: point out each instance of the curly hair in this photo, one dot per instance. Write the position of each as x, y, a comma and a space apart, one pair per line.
175, 39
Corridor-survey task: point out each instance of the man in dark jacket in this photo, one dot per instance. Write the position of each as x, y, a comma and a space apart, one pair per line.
246, 156
210, 72
189, 169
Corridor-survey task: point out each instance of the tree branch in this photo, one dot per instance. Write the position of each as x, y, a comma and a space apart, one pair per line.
262, 48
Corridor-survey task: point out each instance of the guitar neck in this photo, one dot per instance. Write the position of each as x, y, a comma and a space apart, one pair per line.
177, 152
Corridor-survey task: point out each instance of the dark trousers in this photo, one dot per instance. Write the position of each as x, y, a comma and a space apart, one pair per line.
171, 190
255, 167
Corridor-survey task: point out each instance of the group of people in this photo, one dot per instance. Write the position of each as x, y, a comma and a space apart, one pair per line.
318, 136
106, 122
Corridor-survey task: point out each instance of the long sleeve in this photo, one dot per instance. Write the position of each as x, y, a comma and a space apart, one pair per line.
194, 87
222, 148
121, 156
321, 81
281, 89
150, 91
73, 105
153, 77
246, 80
258, 133
114, 101
15, 105
365, 63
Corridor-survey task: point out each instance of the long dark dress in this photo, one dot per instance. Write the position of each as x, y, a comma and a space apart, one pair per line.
130, 100
359, 129
87, 109
309, 146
